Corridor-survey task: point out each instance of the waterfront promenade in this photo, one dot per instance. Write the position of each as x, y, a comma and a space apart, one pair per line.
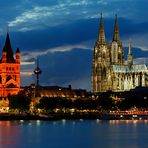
101, 115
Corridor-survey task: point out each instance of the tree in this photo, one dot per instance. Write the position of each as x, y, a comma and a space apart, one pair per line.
105, 101
20, 102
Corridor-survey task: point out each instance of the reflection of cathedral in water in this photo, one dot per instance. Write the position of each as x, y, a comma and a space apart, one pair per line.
109, 70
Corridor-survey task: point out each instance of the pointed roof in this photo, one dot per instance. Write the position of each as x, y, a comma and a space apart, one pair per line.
101, 36
116, 36
130, 55
8, 49
129, 49
17, 50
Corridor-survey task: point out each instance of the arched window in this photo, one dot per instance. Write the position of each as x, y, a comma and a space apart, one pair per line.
8, 78
103, 55
119, 57
104, 73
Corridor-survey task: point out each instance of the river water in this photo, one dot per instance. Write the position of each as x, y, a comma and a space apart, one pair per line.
74, 134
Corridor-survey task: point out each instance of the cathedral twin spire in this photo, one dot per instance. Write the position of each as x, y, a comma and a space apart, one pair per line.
101, 36
116, 36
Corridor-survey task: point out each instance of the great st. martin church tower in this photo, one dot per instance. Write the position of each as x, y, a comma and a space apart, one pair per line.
9, 70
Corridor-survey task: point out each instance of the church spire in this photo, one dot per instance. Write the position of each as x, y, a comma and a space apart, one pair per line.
116, 36
8, 49
130, 55
101, 36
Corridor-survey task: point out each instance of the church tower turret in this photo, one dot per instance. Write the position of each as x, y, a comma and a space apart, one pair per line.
17, 55
130, 55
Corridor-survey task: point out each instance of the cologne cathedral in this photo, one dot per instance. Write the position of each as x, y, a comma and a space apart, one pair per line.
9, 70
110, 71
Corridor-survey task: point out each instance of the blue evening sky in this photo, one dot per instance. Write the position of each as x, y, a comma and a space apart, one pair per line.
63, 33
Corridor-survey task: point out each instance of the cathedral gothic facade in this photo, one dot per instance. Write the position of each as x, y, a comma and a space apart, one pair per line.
9, 70
110, 71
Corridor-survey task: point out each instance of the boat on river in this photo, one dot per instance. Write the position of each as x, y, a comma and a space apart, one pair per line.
126, 115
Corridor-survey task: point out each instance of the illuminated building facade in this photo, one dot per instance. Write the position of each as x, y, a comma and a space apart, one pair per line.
109, 69
9, 70
57, 92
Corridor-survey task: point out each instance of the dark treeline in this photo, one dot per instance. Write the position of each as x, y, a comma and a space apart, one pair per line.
103, 101
19, 102
52, 103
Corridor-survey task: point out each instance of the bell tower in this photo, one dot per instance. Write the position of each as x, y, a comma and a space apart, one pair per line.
9, 70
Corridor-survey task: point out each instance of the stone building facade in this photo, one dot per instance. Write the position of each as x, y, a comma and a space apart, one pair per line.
110, 71
9, 70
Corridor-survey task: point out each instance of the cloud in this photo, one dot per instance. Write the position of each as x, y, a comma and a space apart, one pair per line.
79, 31
33, 55
51, 56
141, 61
39, 15
62, 68
26, 73
75, 32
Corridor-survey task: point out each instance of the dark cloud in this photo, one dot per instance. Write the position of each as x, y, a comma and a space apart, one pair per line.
63, 68
73, 33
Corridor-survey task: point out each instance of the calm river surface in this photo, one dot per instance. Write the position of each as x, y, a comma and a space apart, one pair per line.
74, 134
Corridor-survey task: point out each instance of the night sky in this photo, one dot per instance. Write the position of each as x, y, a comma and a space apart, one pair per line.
63, 33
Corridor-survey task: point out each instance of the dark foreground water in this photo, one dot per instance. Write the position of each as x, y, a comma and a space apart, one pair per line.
74, 134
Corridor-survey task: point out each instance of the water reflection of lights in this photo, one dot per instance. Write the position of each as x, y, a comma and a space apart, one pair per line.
127, 121
8, 128
54, 122
4, 123
30, 123
97, 120
81, 119
63, 121
21, 121
38, 122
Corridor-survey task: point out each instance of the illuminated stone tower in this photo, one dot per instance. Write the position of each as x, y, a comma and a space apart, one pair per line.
9, 70
101, 62
116, 49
